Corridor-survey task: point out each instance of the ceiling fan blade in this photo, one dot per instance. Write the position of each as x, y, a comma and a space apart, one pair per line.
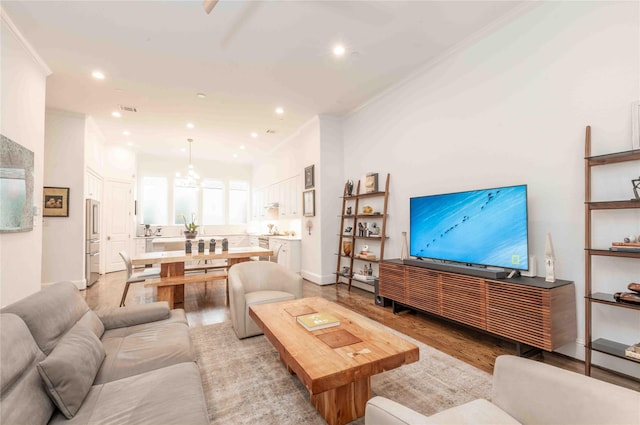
209, 5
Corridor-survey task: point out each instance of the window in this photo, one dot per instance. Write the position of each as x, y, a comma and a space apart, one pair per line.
212, 202
238, 201
185, 200
155, 201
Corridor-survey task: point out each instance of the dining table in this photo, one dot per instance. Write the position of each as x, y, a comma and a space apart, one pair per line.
172, 265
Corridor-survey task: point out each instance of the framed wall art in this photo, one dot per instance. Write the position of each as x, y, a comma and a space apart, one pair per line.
55, 202
308, 177
371, 183
309, 203
16, 187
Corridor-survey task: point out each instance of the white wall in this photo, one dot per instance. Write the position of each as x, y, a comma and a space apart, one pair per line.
328, 194
318, 142
512, 108
63, 238
22, 107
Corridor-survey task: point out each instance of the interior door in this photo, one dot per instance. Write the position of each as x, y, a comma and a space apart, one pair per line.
118, 212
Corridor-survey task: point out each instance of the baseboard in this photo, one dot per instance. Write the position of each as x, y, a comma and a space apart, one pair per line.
80, 284
315, 278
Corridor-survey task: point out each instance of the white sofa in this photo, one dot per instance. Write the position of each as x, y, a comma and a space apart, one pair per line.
526, 392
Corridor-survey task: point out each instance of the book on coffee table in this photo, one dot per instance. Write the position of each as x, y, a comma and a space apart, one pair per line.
633, 351
315, 321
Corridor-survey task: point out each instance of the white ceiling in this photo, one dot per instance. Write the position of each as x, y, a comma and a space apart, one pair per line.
248, 57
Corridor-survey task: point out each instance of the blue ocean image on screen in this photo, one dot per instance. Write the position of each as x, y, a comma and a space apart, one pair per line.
480, 227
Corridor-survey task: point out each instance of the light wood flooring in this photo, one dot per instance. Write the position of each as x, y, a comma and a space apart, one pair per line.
205, 306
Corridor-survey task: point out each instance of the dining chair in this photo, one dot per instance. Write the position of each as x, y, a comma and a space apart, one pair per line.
135, 277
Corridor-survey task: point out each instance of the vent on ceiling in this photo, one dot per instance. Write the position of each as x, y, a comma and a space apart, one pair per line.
128, 108
269, 131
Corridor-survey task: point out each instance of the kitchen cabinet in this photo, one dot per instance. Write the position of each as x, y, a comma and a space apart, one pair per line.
290, 198
287, 194
289, 254
140, 246
93, 186
258, 204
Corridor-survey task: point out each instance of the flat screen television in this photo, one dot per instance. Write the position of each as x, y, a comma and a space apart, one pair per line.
486, 227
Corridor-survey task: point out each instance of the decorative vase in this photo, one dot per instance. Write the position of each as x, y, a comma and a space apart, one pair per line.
404, 253
190, 234
346, 247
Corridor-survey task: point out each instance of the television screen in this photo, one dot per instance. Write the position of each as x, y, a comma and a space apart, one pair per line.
480, 227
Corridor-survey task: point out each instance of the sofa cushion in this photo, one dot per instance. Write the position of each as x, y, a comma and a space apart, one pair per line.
145, 347
52, 312
172, 395
68, 372
480, 412
23, 399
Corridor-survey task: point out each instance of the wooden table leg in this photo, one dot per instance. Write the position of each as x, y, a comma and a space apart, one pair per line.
167, 293
172, 294
344, 404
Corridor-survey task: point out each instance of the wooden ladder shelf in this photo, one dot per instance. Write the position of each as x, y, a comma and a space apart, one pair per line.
347, 259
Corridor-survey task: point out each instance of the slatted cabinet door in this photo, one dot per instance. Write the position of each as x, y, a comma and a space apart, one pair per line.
423, 290
392, 278
464, 299
519, 312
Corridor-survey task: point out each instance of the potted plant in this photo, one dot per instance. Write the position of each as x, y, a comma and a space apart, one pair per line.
192, 228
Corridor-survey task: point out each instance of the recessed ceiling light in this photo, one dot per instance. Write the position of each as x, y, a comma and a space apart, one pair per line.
254, 134
129, 143
183, 149
235, 155
339, 50
279, 111
201, 95
190, 125
242, 147
98, 75
126, 133
116, 114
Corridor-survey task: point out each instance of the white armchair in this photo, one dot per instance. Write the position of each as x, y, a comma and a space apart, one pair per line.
258, 282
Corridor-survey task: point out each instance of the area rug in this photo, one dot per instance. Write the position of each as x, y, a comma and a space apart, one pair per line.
245, 383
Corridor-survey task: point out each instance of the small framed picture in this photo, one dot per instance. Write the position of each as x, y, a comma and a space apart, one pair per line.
371, 183
55, 202
309, 203
308, 177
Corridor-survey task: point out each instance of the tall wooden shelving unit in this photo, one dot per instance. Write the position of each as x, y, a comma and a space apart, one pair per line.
352, 220
602, 345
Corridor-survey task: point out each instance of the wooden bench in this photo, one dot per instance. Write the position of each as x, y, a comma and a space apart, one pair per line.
171, 288
204, 267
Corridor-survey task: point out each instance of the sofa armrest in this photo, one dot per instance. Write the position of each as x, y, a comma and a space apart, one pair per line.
534, 392
122, 317
382, 411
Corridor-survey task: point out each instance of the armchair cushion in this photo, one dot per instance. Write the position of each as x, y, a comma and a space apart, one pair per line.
69, 370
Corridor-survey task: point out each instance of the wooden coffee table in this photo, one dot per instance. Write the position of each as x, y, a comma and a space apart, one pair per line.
336, 363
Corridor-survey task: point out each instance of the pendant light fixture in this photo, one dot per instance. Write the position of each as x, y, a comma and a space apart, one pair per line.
191, 177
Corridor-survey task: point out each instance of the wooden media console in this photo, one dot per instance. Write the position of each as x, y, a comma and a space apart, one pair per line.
526, 310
